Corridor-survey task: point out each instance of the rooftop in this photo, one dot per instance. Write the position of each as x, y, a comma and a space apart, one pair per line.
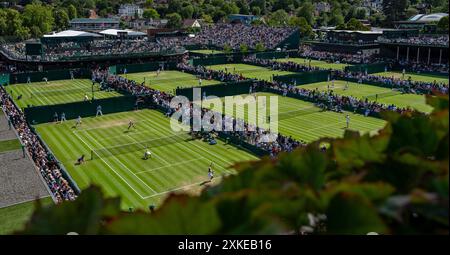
425, 18
71, 33
116, 31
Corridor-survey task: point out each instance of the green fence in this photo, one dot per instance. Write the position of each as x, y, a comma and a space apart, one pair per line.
112, 70
219, 90
370, 68
275, 54
292, 42
4, 78
44, 114
218, 59
303, 78
144, 67
51, 75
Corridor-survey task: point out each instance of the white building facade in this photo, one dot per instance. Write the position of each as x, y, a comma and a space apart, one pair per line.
130, 11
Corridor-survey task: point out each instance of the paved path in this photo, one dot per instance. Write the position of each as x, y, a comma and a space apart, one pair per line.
19, 179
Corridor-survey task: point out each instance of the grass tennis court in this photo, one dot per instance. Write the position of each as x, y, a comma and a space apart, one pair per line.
249, 71
304, 121
168, 81
9, 145
56, 92
213, 52
177, 164
316, 63
415, 76
385, 95
14, 217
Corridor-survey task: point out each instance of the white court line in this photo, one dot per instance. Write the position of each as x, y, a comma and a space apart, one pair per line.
120, 162
123, 179
126, 134
215, 156
31, 90
170, 165
158, 157
94, 128
172, 190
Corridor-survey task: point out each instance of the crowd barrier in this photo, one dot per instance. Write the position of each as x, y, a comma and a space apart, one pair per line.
46, 113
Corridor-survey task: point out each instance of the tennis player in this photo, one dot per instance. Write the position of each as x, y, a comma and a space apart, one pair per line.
210, 172
78, 123
147, 154
131, 125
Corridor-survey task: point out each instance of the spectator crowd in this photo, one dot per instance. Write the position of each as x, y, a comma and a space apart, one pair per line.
233, 35
441, 40
42, 158
98, 48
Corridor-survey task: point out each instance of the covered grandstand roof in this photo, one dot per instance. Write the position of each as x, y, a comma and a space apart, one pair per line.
358, 31
114, 32
425, 18
71, 33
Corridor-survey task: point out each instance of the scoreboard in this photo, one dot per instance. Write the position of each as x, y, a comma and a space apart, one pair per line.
33, 48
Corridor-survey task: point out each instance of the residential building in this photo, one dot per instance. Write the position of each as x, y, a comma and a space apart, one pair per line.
130, 11
84, 24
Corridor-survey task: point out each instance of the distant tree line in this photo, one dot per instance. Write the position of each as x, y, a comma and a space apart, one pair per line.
40, 17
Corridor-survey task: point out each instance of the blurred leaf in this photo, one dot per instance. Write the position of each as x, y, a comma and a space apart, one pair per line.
84, 216
350, 213
180, 215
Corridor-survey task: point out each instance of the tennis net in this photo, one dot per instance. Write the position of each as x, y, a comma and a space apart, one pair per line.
137, 146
